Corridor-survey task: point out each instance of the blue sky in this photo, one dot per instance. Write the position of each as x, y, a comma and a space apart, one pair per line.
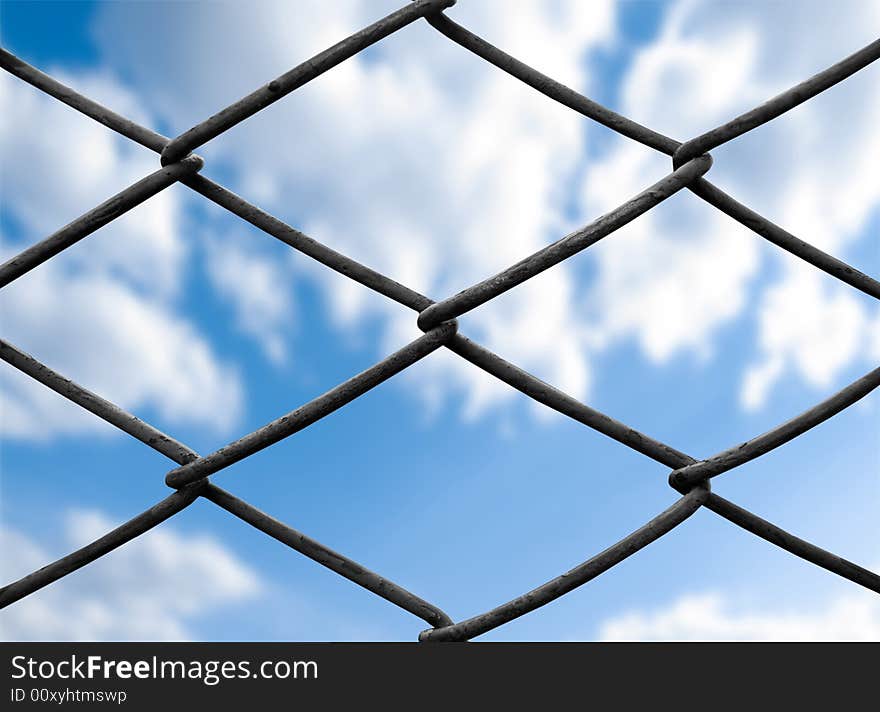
438, 170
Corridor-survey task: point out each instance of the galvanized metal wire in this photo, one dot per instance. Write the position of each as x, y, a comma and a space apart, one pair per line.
190, 479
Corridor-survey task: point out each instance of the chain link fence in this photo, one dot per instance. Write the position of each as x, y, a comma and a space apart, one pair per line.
190, 479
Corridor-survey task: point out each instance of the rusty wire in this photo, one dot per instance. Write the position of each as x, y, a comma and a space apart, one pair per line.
190, 479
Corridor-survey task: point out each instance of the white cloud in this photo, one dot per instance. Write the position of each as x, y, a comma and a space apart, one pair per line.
672, 286
809, 326
713, 616
153, 588
681, 273
105, 336
102, 312
435, 168
415, 158
259, 290
672, 278
58, 164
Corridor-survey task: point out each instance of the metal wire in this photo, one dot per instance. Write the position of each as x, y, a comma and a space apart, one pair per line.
690, 476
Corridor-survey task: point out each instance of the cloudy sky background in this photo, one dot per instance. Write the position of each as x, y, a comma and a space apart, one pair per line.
433, 167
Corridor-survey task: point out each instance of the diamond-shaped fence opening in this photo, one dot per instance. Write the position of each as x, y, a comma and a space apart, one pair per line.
190, 479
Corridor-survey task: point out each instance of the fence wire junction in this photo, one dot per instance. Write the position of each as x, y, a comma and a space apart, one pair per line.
190, 479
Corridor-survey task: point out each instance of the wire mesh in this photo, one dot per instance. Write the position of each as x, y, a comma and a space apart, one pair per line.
690, 477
